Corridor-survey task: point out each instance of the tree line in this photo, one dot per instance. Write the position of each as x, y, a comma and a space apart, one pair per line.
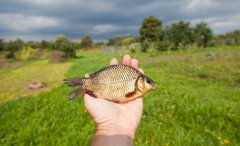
60, 43
179, 35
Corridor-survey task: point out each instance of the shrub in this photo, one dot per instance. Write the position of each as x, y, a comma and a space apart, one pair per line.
57, 56
10, 55
62, 43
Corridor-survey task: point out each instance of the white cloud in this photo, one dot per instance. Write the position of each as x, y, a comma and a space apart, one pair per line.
105, 28
24, 23
225, 24
220, 24
196, 5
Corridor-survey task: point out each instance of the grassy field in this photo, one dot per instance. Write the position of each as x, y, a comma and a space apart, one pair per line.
197, 101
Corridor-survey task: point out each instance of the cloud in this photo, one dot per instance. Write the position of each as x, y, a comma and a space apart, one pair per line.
104, 28
196, 5
220, 24
23, 23
106, 18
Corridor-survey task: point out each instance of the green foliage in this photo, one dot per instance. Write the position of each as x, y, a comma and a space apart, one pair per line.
13, 47
116, 41
1, 44
99, 44
33, 44
44, 44
180, 33
110, 42
62, 43
151, 29
231, 38
86, 41
162, 45
203, 34
26, 53
196, 102
10, 55
133, 48
128, 41
145, 46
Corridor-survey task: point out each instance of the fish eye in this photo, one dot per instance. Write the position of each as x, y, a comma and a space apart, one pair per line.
148, 81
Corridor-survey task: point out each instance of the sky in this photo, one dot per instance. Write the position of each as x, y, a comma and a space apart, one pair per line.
102, 19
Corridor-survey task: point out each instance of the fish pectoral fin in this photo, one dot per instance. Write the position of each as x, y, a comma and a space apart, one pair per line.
130, 94
91, 93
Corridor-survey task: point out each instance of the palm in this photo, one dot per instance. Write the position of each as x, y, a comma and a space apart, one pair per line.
126, 116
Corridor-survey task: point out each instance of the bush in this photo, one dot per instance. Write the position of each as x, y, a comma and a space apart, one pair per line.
62, 43
26, 53
161, 45
10, 55
86, 41
134, 47
57, 56
145, 46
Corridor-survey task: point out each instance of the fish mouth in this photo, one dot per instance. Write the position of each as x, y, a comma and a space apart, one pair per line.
154, 86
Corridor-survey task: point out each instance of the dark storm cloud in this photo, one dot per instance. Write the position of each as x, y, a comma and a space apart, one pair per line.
43, 19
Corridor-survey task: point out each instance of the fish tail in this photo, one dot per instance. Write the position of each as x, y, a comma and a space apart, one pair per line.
74, 82
75, 93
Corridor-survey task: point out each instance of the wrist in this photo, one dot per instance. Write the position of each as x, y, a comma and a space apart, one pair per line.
111, 129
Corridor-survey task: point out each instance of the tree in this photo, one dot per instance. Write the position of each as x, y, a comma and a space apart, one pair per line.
62, 43
116, 41
151, 29
233, 38
44, 44
111, 42
86, 41
13, 46
203, 34
1, 44
180, 34
98, 44
33, 44
129, 40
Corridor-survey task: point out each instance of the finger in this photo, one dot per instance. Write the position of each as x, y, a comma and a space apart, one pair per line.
126, 60
134, 63
114, 61
141, 70
89, 102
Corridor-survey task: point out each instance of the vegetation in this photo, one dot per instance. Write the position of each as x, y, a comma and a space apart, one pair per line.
13, 46
178, 35
62, 43
196, 102
86, 41
14, 81
203, 34
151, 29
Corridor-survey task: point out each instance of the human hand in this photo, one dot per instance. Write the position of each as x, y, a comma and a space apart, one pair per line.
113, 118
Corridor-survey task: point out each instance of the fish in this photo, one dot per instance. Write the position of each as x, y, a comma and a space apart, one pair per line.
116, 83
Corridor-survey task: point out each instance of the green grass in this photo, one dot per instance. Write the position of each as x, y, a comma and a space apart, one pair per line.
197, 102
14, 81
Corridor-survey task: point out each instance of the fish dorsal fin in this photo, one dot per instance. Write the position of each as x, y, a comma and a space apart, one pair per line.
130, 94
